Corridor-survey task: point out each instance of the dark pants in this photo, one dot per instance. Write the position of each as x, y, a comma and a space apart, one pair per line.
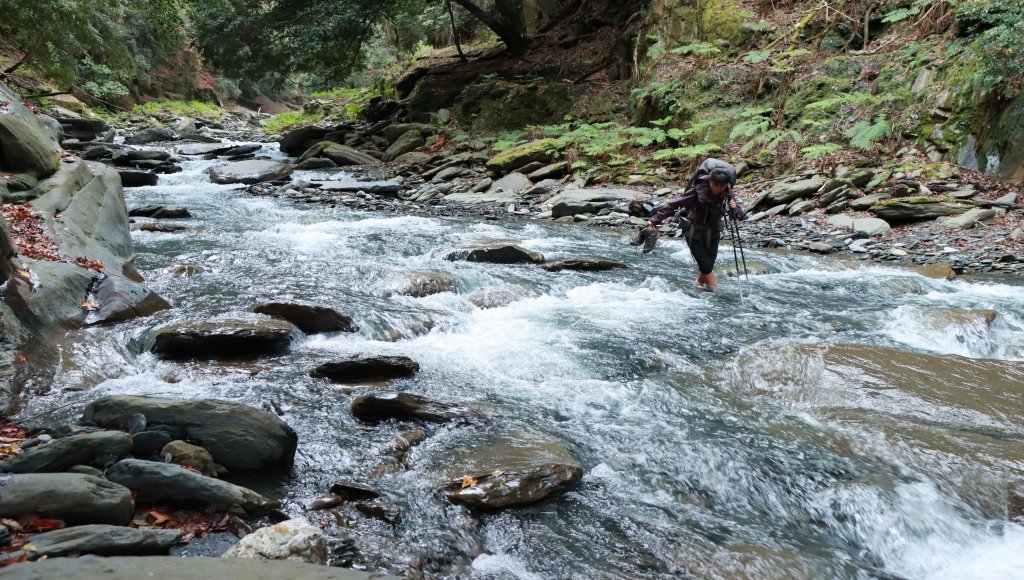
705, 253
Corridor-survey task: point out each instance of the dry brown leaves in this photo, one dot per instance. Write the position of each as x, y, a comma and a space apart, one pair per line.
32, 240
191, 524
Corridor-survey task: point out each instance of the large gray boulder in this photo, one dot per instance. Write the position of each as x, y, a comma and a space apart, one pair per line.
139, 567
166, 482
394, 132
427, 283
407, 143
596, 195
298, 140
71, 497
70, 451
788, 192
24, 147
916, 209
541, 151
308, 318
295, 539
497, 254
971, 219
515, 470
223, 339
405, 406
250, 172
151, 135
204, 149
237, 436
102, 540
341, 155
374, 368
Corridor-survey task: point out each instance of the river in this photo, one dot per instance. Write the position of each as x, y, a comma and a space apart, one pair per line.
793, 426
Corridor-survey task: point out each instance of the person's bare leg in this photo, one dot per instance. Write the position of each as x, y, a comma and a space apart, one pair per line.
711, 282
702, 280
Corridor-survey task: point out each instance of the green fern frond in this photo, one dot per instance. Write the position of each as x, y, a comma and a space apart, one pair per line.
820, 150
864, 135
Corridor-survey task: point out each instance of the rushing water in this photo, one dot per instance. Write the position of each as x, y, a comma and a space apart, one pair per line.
721, 436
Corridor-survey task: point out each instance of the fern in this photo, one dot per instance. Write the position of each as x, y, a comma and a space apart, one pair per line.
691, 152
864, 135
820, 150
750, 127
756, 56
771, 139
903, 13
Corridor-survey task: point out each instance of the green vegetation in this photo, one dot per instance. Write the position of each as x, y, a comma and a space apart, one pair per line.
179, 108
284, 121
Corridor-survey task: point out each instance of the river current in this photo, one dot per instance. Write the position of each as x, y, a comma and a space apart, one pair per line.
799, 425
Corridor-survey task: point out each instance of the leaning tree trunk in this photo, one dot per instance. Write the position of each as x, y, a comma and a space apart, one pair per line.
506, 20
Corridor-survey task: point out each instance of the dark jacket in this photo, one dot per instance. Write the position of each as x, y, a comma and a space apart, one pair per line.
702, 208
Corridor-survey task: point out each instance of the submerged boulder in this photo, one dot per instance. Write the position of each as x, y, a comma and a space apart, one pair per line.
427, 283
308, 318
497, 254
236, 435
160, 212
374, 408
223, 339
374, 368
513, 470
584, 265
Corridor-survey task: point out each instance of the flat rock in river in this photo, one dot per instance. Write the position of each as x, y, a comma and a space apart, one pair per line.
236, 435
223, 339
407, 406
102, 540
511, 470
250, 172
592, 195
584, 265
204, 148
497, 254
308, 318
373, 368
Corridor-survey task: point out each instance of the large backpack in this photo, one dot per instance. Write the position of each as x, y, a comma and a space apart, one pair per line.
709, 165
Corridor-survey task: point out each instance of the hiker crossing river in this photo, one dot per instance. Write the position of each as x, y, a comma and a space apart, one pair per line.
847, 420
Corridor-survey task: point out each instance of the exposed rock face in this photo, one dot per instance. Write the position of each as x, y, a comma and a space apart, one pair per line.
787, 192
308, 318
237, 436
498, 254
26, 148
407, 406
225, 339
514, 470
250, 172
137, 567
71, 497
69, 451
295, 539
102, 540
377, 368
165, 482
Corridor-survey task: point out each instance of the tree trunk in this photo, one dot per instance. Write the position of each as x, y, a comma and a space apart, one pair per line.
506, 21
455, 31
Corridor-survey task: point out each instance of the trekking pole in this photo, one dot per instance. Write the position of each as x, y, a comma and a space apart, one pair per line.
739, 240
735, 256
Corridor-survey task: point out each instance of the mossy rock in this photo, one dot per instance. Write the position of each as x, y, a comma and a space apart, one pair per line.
541, 151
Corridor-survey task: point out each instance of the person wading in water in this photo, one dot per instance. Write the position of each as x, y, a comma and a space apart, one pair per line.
704, 202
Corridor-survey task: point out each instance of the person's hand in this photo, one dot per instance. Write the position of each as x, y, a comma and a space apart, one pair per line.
732, 203
650, 225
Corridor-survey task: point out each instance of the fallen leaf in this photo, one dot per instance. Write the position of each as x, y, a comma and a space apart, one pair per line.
468, 481
158, 517
20, 358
